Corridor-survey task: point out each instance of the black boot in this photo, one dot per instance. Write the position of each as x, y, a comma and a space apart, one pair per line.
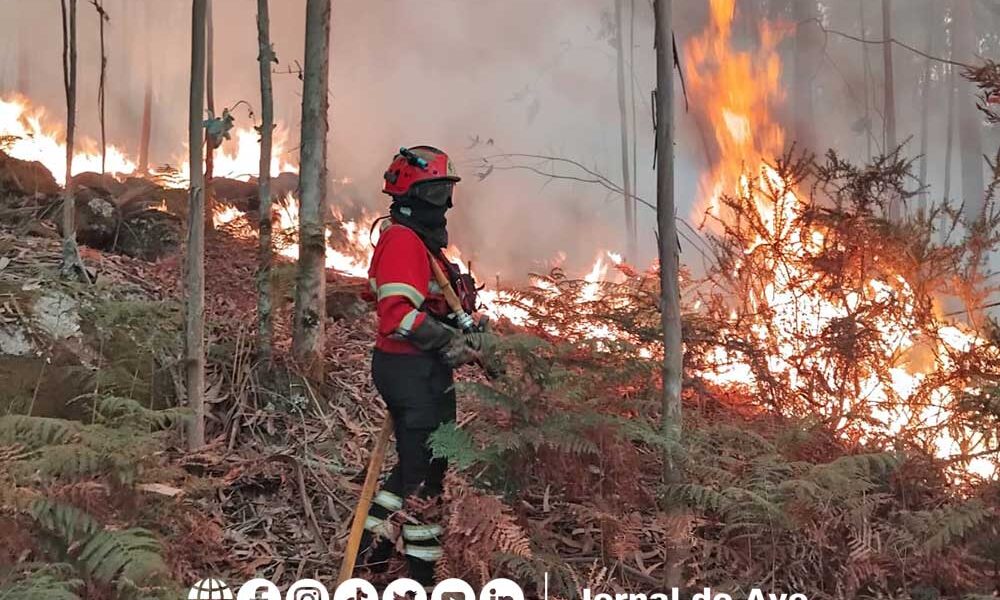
421, 571
374, 553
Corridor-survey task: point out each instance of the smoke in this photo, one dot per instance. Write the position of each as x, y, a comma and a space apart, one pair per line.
526, 75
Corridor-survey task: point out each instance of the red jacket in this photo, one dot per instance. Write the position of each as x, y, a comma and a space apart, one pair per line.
403, 288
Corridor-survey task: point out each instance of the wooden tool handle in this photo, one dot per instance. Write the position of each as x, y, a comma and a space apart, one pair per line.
445, 284
365, 500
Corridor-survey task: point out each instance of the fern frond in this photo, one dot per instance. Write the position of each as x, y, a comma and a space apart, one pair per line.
47, 582
455, 445
694, 496
940, 527
132, 555
66, 522
106, 555
68, 461
35, 432
114, 410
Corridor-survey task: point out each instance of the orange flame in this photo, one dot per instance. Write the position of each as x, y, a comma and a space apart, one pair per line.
30, 138
735, 92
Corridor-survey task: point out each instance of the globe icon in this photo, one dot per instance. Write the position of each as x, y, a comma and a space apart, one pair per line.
210, 589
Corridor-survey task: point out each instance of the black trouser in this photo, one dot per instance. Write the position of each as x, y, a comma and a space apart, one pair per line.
419, 391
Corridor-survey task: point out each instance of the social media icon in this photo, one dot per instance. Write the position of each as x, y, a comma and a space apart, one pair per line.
307, 589
258, 589
453, 589
501, 589
404, 589
210, 589
355, 589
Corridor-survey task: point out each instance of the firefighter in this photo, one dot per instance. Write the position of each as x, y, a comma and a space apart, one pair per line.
417, 347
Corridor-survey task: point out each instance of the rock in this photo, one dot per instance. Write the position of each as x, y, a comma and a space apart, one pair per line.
97, 218
149, 234
103, 183
26, 177
344, 301
285, 184
241, 194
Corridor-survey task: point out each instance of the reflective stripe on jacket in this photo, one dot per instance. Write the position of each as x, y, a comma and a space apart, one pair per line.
400, 278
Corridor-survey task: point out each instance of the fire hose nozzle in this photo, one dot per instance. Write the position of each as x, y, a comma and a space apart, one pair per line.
465, 321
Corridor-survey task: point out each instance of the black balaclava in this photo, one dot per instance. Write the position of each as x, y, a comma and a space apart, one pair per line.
423, 211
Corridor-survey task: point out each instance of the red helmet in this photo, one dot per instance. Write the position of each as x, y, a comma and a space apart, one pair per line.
416, 165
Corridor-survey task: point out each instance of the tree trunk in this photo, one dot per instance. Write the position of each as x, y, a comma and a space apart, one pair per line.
72, 264
147, 101
623, 122
950, 134
808, 45
23, 63
866, 59
670, 310
210, 99
265, 58
925, 110
889, 106
635, 130
310, 289
102, 17
194, 324
969, 117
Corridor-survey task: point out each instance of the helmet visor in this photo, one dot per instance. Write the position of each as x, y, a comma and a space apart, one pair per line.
435, 193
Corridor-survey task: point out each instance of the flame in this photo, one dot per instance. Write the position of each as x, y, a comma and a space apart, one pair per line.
242, 162
224, 215
353, 260
735, 92
29, 137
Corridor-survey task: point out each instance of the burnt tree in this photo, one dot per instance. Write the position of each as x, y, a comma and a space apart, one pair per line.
310, 290
265, 58
72, 264
194, 322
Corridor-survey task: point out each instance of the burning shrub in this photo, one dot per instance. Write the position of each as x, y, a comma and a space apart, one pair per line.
827, 310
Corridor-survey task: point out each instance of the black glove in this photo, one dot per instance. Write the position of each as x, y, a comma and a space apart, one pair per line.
432, 335
467, 348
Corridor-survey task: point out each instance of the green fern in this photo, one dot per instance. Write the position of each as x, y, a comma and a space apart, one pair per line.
936, 529
117, 411
132, 555
455, 445
36, 432
42, 582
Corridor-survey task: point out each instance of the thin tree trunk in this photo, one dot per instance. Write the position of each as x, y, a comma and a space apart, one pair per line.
889, 106
969, 118
950, 135
670, 313
890, 86
807, 44
72, 264
147, 127
23, 64
635, 131
866, 59
147, 101
265, 57
102, 18
194, 324
925, 110
310, 289
623, 123
210, 99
